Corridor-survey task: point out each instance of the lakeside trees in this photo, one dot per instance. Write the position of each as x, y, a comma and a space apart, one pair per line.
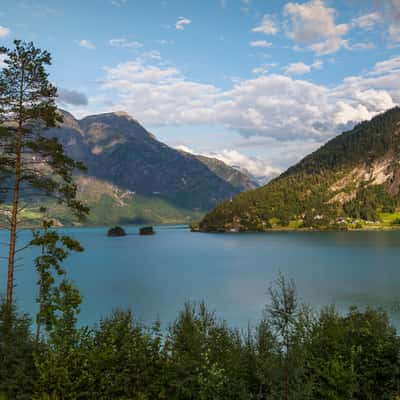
31, 163
199, 357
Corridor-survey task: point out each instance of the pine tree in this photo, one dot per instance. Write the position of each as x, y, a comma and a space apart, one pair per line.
31, 162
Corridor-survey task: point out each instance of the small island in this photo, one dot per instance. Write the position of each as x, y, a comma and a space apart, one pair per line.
116, 231
146, 230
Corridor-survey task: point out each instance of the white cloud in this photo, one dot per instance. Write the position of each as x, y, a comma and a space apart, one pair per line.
87, 44
298, 69
260, 43
317, 64
367, 21
159, 95
259, 70
135, 72
182, 22
394, 32
389, 11
151, 55
257, 167
313, 24
263, 69
118, 3
2, 59
273, 106
362, 46
388, 66
165, 42
4, 31
267, 26
301, 68
184, 148
123, 42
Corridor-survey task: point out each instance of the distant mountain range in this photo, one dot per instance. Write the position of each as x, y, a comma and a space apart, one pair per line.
133, 177
350, 182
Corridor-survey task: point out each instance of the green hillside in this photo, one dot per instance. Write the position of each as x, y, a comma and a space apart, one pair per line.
108, 205
350, 182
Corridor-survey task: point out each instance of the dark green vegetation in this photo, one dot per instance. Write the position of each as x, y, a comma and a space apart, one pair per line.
292, 353
350, 182
116, 231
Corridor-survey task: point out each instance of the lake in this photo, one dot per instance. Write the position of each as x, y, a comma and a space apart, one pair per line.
155, 275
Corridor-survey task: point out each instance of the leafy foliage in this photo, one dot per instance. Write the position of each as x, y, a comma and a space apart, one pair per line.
292, 353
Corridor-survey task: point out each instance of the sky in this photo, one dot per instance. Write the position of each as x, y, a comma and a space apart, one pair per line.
256, 83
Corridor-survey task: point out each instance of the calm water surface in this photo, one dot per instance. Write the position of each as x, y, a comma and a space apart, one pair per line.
155, 275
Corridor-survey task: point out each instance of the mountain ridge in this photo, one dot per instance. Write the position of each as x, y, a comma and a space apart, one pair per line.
119, 151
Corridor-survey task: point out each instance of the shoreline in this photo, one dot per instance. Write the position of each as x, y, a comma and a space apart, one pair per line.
303, 230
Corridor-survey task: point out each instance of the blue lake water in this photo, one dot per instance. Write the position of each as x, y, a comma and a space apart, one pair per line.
155, 275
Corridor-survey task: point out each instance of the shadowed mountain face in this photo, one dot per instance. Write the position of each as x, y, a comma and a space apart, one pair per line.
355, 177
117, 149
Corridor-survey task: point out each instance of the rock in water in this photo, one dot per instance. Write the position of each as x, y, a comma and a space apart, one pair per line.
116, 231
147, 230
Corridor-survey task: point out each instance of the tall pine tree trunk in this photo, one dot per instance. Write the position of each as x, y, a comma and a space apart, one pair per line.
15, 204
14, 219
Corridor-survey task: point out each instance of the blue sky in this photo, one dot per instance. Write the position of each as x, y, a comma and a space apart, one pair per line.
257, 83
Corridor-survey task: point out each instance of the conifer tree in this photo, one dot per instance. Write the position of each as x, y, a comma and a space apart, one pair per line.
31, 162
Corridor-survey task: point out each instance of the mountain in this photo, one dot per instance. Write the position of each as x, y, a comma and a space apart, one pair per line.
134, 177
241, 180
350, 182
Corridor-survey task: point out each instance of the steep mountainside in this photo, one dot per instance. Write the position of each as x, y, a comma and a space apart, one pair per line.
236, 178
353, 178
122, 155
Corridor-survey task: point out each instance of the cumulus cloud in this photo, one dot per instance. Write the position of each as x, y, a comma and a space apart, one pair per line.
362, 46
260, 43
270, 105
389, 12
71, 97
4, 31
255, 166
317, 64
123, 42
182, 22
267, 26
87, 44
159, 94
392, 65
367, 21
313, 24
298, 69
301, 68
133, 72
260, 169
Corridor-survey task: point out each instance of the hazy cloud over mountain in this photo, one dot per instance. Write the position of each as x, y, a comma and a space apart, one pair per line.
71, 97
